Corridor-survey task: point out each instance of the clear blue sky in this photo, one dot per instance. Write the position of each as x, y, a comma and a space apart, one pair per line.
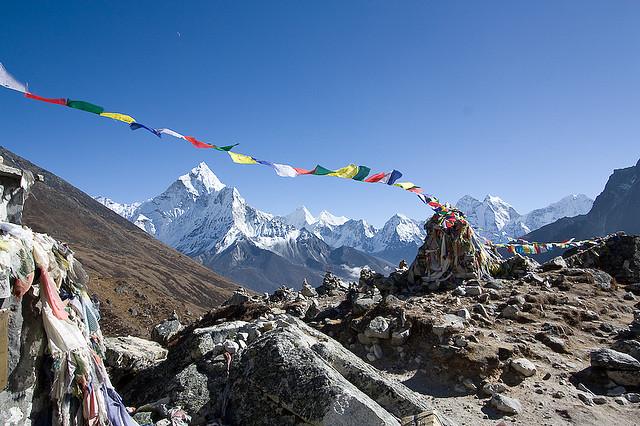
526, 100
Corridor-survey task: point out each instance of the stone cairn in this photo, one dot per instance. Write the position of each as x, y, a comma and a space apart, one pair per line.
451, 255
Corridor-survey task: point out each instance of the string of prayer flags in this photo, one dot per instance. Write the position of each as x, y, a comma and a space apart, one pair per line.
526, 247
448, 215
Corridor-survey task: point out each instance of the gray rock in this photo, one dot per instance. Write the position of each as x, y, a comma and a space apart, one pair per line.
523, 366
629, 347
449, 324
237, 298
363, 304
554, 264
505, 404
474, 291
614, 360
378, 327
632, 397
599, 400
231, 346
510, 312
400, 337
166, 330
131, 355
464, 314
290, 375
493, 388
585, 398
555, 343
377, 351
313, 310
625, 377
307, 290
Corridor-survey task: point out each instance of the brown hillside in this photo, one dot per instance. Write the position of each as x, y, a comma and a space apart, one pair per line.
138, 280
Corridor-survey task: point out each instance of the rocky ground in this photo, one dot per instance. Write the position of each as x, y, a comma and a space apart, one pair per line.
548, 344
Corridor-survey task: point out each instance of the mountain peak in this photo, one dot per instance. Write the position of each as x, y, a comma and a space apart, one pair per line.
300, 218
201, 179
330, 219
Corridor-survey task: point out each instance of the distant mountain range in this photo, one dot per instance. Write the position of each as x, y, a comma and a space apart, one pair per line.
212, 223
205, 219
617, 208
498, 221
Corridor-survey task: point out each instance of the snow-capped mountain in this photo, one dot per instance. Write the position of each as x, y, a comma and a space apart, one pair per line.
124, 210
498, 221
209, 221
398, 239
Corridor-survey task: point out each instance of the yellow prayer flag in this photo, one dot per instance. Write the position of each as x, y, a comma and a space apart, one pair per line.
405, 185
241, 158
346, 172
120, 117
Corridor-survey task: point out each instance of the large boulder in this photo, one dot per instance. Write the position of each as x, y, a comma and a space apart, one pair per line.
130, 355
284, 372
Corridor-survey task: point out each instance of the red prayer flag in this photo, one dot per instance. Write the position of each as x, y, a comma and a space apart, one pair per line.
375, 178
198, 144
57, 101
303, 171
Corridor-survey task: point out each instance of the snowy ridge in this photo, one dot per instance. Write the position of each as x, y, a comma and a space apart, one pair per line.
124, 210
498, 221
207, 220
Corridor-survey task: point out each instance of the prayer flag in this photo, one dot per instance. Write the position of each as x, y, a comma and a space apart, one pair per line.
321, 171
406, 185
241, 158
304, 171
284, 170
85, 106
9, 82
136, 126
57, 101
346, 172
198, 144
170, 133
120, 117
363, 172
225, 148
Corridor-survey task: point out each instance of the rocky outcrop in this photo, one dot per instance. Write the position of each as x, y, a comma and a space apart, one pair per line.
273, 370
618, 255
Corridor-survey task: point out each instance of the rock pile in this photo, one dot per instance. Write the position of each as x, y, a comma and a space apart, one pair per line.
273, 369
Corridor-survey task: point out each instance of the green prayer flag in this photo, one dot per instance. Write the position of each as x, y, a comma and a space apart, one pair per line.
363, 172
85, 106
321, 171
226, 148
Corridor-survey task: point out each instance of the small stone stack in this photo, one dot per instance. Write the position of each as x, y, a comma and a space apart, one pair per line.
332, 285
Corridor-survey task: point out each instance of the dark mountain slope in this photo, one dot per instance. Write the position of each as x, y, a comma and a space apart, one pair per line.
617, 208
138, 279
